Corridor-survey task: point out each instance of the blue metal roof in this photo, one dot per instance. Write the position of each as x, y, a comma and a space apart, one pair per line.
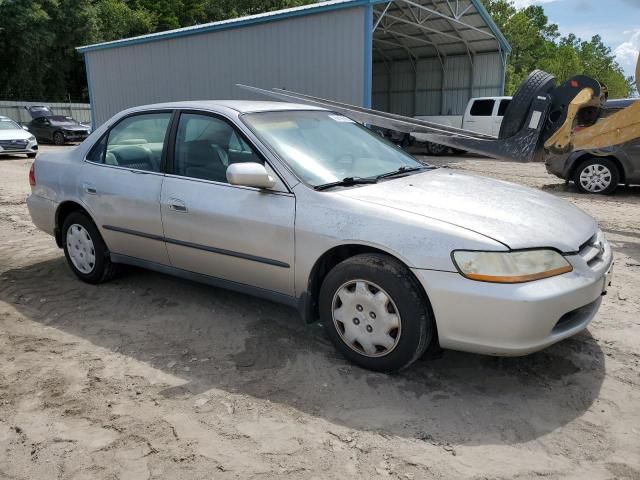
270, 17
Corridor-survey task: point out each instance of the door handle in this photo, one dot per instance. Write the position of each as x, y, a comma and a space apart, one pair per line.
90, 189
177, 205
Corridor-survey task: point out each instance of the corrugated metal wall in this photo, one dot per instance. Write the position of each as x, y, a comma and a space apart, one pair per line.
319, 54
431, 90
16, 111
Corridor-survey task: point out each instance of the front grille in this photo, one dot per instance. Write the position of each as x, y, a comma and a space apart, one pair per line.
592, 251
13, 144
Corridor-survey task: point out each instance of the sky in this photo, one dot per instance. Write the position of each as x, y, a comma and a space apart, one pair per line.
616, 21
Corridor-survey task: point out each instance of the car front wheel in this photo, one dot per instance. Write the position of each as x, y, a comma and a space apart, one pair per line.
85, 250
375, 313
58, 138
597, 175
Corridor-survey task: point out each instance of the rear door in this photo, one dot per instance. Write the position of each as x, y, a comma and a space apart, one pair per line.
39, 128
243, 235
500, 108
479, 116
121, 184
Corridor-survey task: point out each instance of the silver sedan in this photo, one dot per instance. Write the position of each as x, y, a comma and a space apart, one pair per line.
303, 206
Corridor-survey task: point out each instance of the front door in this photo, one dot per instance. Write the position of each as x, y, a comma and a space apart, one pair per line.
121, 182
239, 234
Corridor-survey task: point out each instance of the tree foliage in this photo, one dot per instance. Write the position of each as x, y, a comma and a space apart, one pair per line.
536, 43
38, 40
38, 37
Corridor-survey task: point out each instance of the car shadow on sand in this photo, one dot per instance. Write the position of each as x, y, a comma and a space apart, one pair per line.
212, 338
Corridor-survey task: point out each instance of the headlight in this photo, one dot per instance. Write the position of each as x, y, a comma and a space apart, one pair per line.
31, 138
510, 267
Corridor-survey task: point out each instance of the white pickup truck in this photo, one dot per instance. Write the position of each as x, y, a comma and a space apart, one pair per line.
483, 115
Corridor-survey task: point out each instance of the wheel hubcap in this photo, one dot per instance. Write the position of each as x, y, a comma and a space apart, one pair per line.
366, 318
595, 178
81, 250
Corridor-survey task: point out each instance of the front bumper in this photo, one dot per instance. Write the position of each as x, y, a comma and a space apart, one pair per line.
72, 136
558, 165
31, 147
515, 319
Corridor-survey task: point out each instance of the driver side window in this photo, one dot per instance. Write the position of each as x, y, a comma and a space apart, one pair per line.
206, 146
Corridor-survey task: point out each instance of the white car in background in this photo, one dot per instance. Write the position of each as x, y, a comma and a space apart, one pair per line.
482, 115
15, 139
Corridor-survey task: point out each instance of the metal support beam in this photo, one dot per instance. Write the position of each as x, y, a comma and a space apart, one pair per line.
415, 18
470, 51
381, 16
442, 15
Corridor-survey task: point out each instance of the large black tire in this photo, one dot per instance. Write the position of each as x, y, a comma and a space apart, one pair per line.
436, 150
102, 268
603, 169
58, 138
537, 83
407, 302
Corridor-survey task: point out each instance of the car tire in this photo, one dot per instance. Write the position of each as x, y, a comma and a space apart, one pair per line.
375, 313
58, 138
537, 83
436, 150
31, 155
597, 175
85, 250
457, 151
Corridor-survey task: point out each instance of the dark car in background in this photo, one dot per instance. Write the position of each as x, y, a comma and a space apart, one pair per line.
58, 129
600, 171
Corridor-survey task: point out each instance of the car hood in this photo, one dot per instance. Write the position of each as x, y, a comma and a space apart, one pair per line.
16, 134
519, 217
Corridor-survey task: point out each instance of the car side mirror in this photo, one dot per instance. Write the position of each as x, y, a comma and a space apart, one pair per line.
249, 174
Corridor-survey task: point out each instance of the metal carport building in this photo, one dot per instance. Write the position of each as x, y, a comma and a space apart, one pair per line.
405, 56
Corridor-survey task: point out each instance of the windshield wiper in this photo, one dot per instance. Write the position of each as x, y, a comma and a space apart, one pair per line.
401, 171
346, 182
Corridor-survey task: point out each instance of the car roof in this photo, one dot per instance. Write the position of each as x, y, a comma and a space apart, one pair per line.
620, 102
242, 106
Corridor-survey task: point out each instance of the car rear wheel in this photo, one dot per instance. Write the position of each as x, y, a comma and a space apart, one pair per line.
436, 149
58, 138
375, 313
597, 175
85, 250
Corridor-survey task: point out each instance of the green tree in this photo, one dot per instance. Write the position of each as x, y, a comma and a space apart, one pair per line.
536, 43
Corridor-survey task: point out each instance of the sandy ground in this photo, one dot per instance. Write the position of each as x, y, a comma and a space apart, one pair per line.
154, 377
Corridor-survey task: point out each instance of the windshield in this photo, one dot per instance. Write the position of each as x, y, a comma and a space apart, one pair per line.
324, 147
6, 124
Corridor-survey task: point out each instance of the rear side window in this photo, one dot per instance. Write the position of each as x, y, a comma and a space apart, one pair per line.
136, 142
482, 108
503, 107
